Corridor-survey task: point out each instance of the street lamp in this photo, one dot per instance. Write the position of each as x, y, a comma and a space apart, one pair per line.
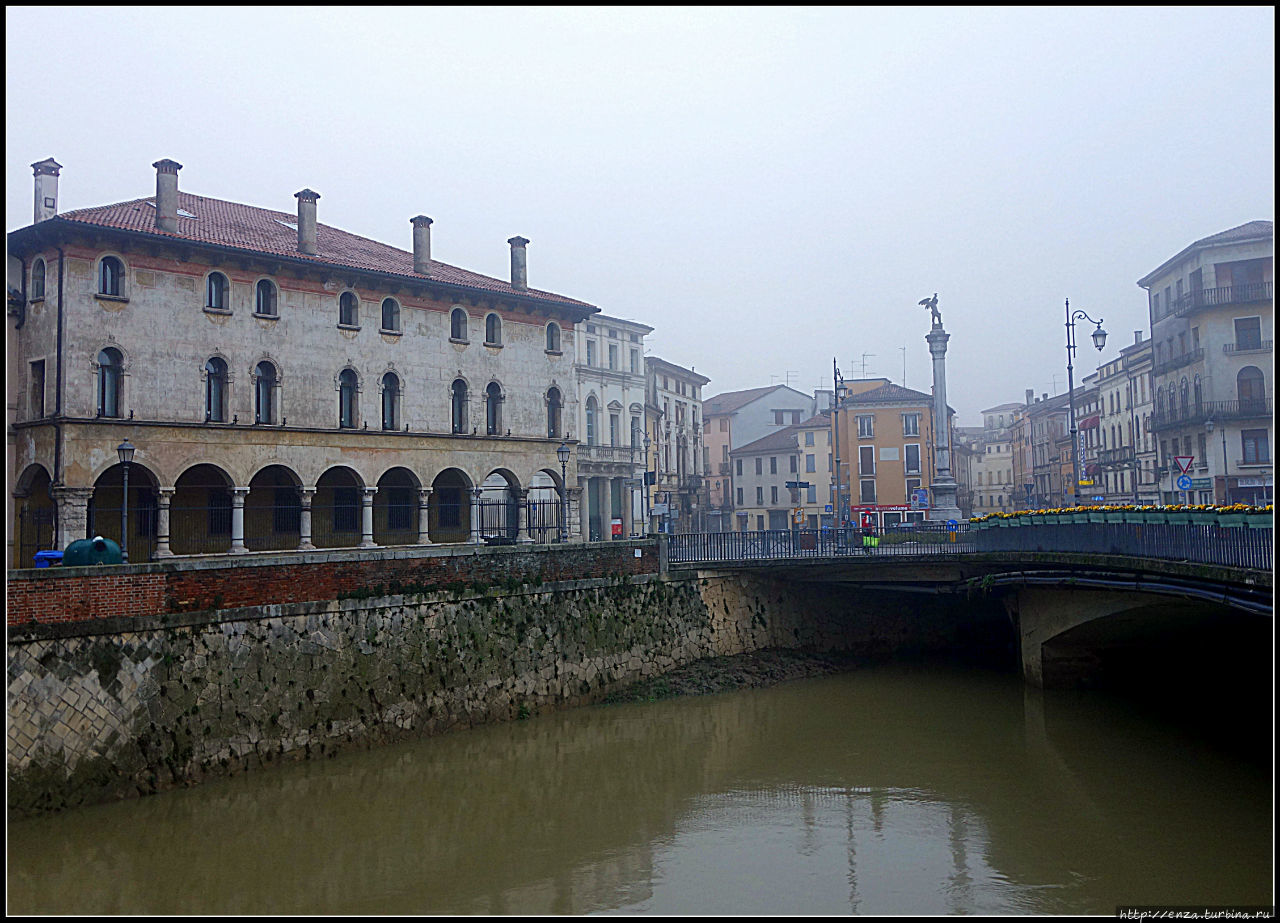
125, 452
644, 497
838, 386
1099, 340
562, 453
1226, 496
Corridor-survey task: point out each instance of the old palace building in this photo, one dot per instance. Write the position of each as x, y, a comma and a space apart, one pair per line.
284, 384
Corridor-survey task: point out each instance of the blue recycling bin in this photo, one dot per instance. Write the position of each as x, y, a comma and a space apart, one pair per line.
48, 558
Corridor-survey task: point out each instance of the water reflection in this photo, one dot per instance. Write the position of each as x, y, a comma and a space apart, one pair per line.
888, 790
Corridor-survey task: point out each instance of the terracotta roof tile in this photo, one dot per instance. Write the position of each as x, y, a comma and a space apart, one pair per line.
247, 227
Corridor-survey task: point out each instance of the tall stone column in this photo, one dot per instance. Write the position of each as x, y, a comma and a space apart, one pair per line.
477, 533
237, 519
627, 499
424, 516
162, 523
573, 523
304, 519
584, 508
522, 534
366, 518
944, 485
73, 513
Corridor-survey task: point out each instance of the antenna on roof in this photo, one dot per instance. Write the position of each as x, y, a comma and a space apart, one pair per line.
864, 363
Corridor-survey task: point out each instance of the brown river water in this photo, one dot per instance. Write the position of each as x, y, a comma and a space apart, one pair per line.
890, 789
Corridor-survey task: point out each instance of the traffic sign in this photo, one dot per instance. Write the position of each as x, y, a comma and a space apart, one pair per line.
798, 485
1183, 462
952, 525
1184, 482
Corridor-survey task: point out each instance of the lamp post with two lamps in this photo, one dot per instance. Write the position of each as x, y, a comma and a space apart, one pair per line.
125, 452
1099, 340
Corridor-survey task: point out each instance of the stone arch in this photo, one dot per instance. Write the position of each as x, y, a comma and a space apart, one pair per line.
499, 505
34, 515
109, 503
336, 508
200, 511
449, 507
546, 506
273, 509
395, 507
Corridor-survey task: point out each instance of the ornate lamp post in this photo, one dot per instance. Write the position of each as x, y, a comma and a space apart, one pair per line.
562, 453
944, 485
125, 452
1099, 340
644, 497
839, 387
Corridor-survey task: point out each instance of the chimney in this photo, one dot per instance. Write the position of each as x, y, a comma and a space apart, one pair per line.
1030, 394
519, 267
167, 195
1046, 395
307, 221
421, 244
46, 172
1137, 337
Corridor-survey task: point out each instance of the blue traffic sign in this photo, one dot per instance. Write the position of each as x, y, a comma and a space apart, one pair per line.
1184, 482
952, 525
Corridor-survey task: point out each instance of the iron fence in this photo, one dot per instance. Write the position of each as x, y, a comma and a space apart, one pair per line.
1201, 544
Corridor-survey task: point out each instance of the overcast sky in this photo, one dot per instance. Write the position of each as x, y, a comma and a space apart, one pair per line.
767, 188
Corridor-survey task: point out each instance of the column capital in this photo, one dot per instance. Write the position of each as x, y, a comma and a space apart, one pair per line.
166, 493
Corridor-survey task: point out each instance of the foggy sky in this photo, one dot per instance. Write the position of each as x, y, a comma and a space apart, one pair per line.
767, 188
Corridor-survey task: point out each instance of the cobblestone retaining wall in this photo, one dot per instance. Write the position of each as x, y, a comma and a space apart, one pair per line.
139, 704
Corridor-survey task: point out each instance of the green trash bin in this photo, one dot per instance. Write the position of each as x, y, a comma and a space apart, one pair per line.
89, 551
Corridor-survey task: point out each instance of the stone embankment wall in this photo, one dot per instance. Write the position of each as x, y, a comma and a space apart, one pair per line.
135, 704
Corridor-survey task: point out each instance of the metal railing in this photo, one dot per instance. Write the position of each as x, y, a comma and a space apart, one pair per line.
1219, 410
1247, 293
1202, 544
1178, 362
1248, 346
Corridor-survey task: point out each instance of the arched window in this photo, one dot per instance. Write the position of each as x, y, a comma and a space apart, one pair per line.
215, 391
266, 298
37, 280
1184, 399
458, 402
347, 399
1249, 388
1197, 393
636, 438
110, 367
111, 277
492, 409
554, 407
348, 309
492, 330
593, 411
1160, 401
390, 398
553, 337
264, 393
215, 292
390, 314
458, 325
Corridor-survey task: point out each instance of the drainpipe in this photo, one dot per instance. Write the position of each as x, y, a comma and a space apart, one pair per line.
57, 394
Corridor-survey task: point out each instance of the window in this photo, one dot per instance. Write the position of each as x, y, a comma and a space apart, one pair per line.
553, 413
867, 491
795, 460
738, 469
492, 330
795, 416
458, 406
553, 338
759, 465
773, 464
37, 280
808, 438
110, 368
811, 495
911, 424
637, 439
216, 289
493, 409
810, 464
866, 459
458, 325
1248, 333
593, 409
635, 362
773, 494
390, 400
264, 393
613, 356
391, 315
348, 310
615, 424
111, 277
777, 416
1253, 444
215, 391
347, 387
866, 426
1249, 388
36, 405
739, 496
265, 298
760, 496
911, 453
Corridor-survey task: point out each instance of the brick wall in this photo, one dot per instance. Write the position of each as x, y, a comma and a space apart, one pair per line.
56, 594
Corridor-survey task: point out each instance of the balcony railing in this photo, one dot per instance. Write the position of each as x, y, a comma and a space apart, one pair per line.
1115, 457
609, 453
1219, 410
1178, 362
1261, 346
1248, 293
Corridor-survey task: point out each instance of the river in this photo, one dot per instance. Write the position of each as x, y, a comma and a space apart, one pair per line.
890, 789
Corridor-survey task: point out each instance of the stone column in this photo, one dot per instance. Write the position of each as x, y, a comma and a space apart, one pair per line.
522, 534
573, 523
477, 535
584, 509
424, 516
162, 523
626, 499
237, 519
366, 518
73, 513
944, 485
304, 519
